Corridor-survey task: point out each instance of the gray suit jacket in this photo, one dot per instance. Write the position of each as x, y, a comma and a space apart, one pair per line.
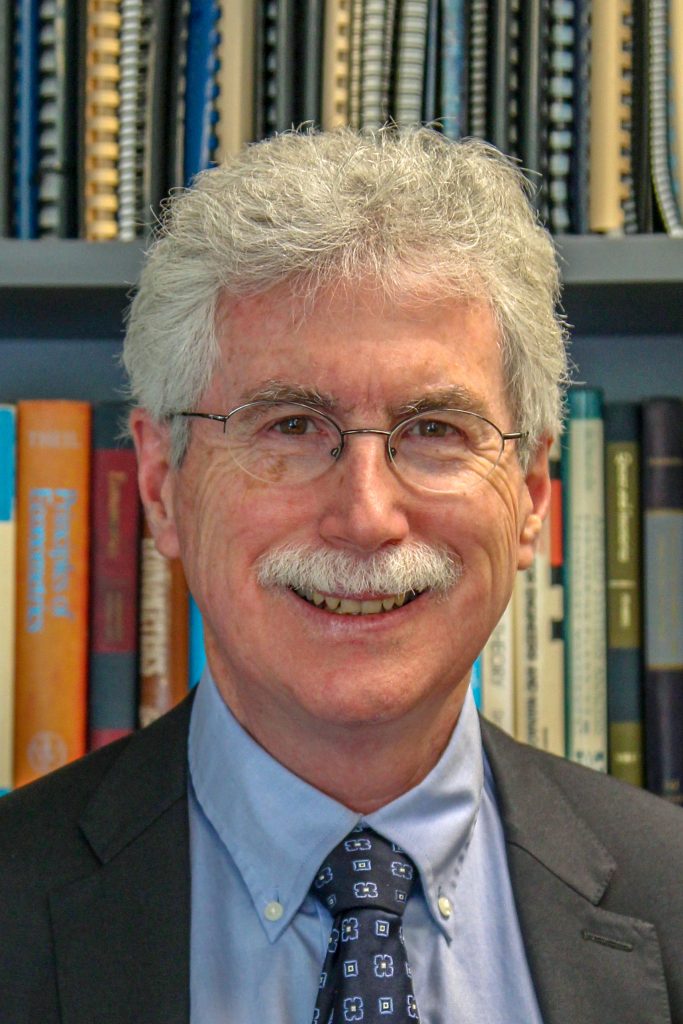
95, 888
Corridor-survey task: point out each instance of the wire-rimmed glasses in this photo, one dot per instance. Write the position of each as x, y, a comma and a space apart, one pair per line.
289, 443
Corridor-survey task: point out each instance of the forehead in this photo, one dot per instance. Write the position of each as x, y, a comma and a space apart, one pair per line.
358, 348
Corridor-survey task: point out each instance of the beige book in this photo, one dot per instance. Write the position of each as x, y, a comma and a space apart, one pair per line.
336, 64
235, 77
610, 115
497, 673
102, 97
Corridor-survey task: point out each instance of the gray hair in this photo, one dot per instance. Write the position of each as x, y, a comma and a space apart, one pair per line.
415, 212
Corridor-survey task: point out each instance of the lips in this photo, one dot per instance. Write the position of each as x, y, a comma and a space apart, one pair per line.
352, 606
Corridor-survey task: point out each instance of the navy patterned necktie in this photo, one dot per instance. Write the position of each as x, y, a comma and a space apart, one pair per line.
365, 883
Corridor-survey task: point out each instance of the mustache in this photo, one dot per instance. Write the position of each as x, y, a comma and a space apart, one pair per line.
412, 566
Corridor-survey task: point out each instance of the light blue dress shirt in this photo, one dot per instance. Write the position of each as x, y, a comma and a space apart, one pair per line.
258, 834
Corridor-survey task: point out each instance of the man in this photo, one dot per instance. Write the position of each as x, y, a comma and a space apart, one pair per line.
347, 372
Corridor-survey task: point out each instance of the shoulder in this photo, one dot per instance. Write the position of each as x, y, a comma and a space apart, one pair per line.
639, 829
41, 833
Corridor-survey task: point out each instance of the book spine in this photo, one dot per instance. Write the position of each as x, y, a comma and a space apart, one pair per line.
528, 615
475, 683
676, 95
640, 117
27, 107
624, 582
8, 543
101, 119
610, 117
534, 78
7, 71
197, 653
499, 65
201, 87
114, 580
580, 163
410, 60
663, 558
552, 713
52, 585
336, 64
131, 123
454, 68
561, 113
235, 77
163, 634
498, 673
659, 118
356, 63
374, 100
585, 637
478, 60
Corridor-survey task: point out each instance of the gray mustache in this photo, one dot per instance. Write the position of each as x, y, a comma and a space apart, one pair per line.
407, 567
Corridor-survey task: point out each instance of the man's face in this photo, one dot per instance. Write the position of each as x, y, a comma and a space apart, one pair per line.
278, 660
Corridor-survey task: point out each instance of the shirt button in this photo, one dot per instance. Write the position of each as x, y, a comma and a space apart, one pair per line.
445, 906
273, 911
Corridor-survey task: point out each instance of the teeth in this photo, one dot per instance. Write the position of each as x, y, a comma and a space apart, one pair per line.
351, 606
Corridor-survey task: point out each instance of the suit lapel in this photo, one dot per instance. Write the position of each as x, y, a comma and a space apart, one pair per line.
122, 934
588, 963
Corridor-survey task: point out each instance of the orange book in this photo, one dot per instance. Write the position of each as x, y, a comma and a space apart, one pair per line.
52, 585
164, 631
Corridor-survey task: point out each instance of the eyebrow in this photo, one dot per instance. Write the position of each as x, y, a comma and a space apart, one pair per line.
452, 396
281, 391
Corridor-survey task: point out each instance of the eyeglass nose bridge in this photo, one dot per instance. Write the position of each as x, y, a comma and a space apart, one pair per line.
336, 453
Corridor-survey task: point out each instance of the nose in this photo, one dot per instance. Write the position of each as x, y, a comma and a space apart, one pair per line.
364, 504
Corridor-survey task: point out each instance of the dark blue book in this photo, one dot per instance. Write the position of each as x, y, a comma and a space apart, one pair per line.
454, 67
663, 556
26, 119
200, 86
580, 162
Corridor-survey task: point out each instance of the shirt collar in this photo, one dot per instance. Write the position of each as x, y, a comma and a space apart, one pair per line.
278, 828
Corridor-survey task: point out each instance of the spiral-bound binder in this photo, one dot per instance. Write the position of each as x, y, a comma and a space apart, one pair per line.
336, 64
101, 119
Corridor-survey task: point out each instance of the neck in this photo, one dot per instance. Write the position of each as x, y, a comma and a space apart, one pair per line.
362, 765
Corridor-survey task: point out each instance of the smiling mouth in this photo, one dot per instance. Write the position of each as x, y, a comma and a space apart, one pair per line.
351, 606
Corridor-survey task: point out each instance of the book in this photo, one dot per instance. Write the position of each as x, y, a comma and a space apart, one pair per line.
374, 85
641, 168
6, 116
660, 133
101, 119
498, 673
454, 58
431, 92
662, 452
201, 87
477, 70
499, 74
580, 160
163, 631
561, 127
411, 43
235, 77
533, 101
336, 64
53, 500
676, 96
610, 118
197, 653
624, 583
528, 652
585, 622
552, 712
115, 523
134, 42
27, 28
57, 125
8, 542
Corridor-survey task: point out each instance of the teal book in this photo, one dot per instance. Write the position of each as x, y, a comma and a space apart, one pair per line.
585, 608
8, 540
196, 652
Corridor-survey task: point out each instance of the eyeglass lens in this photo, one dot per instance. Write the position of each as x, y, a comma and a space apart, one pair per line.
444, 450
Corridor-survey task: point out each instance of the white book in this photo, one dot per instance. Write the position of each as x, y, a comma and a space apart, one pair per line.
497, 674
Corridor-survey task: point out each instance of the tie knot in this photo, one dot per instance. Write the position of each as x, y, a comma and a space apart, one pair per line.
365, 871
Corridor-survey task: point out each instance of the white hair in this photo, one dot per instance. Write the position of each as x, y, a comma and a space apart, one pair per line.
419, 214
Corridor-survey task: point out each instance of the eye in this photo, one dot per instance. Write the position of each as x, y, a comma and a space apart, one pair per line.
434, 428
295, 426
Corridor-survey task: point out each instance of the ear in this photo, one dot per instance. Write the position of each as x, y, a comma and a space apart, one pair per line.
156, 479
537, 482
